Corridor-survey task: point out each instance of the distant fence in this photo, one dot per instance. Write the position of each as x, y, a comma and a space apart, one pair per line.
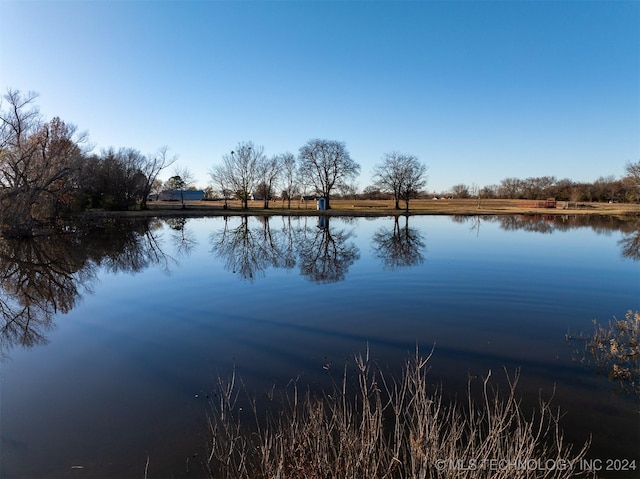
548, 203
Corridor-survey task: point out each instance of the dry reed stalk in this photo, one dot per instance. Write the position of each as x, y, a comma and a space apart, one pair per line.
390, 428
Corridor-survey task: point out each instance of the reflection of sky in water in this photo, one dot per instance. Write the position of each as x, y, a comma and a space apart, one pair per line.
130, 358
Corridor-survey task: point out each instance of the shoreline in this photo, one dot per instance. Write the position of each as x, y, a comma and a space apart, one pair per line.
372, 208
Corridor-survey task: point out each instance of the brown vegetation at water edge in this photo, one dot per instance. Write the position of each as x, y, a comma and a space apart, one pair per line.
387, 427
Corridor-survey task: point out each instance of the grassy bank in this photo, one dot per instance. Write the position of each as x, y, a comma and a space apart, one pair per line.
379, 208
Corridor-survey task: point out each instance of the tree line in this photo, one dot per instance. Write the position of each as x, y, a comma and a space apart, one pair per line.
322, 167
604, 189
47, 170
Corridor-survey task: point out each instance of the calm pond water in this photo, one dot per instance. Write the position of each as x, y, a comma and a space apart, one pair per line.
113, 335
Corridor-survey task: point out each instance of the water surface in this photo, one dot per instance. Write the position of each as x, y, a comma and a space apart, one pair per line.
114, 335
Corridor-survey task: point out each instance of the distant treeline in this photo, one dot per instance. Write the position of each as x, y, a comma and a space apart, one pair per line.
603, 189
606, 189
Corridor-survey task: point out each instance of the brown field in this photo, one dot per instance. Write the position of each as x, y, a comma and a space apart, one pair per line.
384, 208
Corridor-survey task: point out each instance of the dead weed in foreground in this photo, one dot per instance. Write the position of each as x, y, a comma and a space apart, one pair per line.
389, 428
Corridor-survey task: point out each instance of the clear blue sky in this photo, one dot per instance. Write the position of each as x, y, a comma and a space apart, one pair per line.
479, 91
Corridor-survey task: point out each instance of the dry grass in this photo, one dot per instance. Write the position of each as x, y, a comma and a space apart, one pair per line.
388, 428
614, 348
379, 208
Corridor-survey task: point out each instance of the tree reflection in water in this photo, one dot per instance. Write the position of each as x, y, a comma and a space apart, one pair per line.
248, 250
42, 276
181, 237
549, 224
38, 278
325, 255
630, 243
322, 253
399, 247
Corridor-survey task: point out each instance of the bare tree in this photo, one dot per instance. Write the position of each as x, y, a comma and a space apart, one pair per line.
186, 175
510, 188
220, 182
348, 190
156, 186
633, 170
633, 179
476, 192
401, 175
37, 162
151, 167
268, 171
290, 180
460, 191
489, 191
415, 179
388, 175
326, 164
537, 187
238, 171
